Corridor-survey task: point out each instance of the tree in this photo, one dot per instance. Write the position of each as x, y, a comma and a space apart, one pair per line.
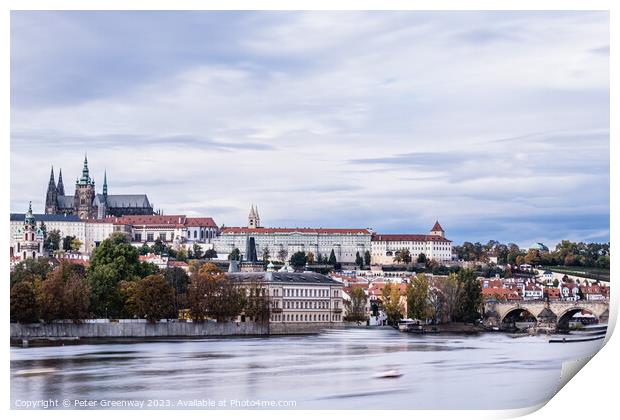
211, 294
417, 298
52, 240
197, 251
153, 298
145, 249
472, 295
298, 260
332, 258
235, 255
64, 294
422, 258
359, 261
282, 254
436, 304
178, 279
159, 247
357, 306
113, 261
451, 289
66, 242
24, 307
367, 258
181, 255
257, 304
30, 269
405, 256
310, 257
75, 245
390, 295
210, 254
266, 254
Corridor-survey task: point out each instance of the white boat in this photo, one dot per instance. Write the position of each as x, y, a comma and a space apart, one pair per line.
411, 325
388, 374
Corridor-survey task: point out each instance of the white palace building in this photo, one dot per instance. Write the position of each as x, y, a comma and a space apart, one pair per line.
284, 242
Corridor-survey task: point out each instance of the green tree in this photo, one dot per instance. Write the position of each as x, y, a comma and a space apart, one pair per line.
367, 258
359, 261
356, 307
52, 240
210, 254
405, 255
282, 254
235, 255
181, 255
159, 247
197, 251
76, 244
452, 291
113, 261
145, 249
332, 258
422, 258
24, 308
30, 269
66, 242
472, 295
154, 298
417, 298
298, 260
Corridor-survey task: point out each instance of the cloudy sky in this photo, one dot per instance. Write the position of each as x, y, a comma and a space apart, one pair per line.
495, 123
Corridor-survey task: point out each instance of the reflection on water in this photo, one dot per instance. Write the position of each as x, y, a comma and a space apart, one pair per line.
332, 370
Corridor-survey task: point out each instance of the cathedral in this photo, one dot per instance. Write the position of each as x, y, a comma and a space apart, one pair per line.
87, 204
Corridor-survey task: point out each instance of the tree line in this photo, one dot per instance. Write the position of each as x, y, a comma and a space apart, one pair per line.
117, 285
577, 254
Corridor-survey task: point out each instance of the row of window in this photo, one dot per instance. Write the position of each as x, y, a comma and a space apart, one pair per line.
305, 317
296, 304
307, 293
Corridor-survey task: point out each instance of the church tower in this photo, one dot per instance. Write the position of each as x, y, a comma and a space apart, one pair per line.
60, 190
437, 230
85, 194
253, 218
51, 199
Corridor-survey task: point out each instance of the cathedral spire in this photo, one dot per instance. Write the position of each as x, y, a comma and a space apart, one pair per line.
85, 175
60, 190
52, 181
51, 203
105, 183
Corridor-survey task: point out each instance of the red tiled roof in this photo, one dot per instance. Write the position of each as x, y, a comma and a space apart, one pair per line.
293, 230
177, 264
405, 237
200, 221
151, 220
437, 226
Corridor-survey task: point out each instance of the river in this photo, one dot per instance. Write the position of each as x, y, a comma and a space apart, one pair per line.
332, 370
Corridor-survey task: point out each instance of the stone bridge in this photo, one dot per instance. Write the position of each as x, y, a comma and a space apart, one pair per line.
549, 315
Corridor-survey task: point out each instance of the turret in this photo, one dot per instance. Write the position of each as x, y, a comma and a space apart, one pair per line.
253, 218
437, 230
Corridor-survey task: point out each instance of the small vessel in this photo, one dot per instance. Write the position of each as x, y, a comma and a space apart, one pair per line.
32, 372
587, 333
411, 326
393, 373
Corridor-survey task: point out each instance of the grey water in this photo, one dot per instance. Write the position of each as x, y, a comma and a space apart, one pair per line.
337, 369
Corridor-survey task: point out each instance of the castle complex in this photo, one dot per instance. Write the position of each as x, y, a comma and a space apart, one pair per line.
87, 204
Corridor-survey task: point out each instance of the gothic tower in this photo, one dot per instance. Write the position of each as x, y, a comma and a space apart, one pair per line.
253, 218
60, 190
51, 199
85, 194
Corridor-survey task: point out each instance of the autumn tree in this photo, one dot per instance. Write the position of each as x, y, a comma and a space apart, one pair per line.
153, 298
64, 294
390, 296
24, 306
197, 251
357, 305
310, 257
417, 298
257, 303
451, 289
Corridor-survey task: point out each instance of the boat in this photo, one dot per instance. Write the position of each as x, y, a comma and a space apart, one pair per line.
587, 333
411, 326
388, 374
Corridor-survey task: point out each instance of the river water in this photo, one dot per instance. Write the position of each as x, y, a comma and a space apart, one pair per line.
333, 370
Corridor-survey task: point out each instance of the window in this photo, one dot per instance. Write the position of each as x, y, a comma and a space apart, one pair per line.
149, 237
162, 236
195, 234
138, 237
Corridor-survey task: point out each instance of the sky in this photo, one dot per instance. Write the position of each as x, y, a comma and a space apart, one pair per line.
494, 123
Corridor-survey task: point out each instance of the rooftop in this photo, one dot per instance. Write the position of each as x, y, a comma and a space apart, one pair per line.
283, 277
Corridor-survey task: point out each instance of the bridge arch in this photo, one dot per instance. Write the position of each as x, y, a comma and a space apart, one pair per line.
518, 314
566, 315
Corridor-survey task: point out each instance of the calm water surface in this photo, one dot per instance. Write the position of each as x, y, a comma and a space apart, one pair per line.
333, 370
